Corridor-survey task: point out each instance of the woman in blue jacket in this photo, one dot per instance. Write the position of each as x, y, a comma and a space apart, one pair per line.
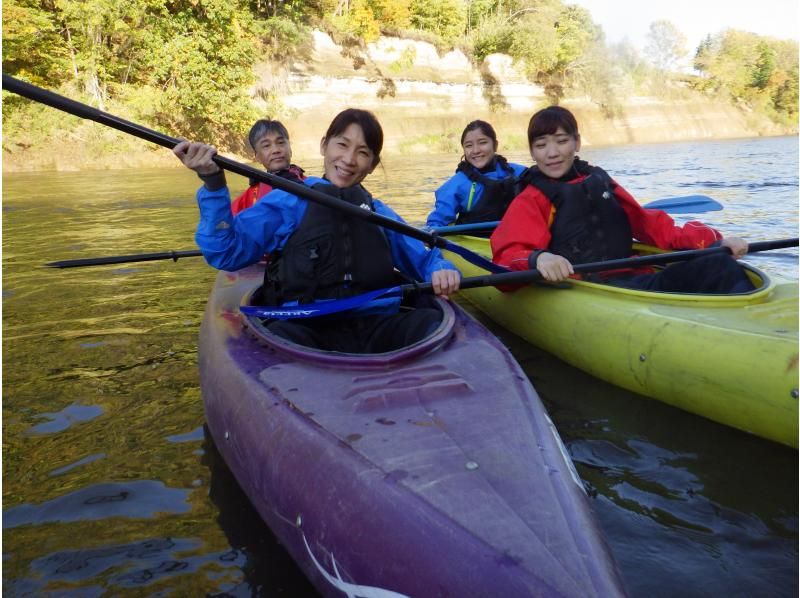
484, 183
320, 253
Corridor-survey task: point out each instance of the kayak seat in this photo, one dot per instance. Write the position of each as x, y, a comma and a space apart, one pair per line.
421, 320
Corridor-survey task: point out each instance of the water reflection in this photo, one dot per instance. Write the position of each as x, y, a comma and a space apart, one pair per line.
58, 422
267, 569
111, 486
139, 499
78, 463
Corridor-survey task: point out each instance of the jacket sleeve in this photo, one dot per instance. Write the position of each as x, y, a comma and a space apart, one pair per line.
449, 202
411, 256
656, 227
524, 229
230, 243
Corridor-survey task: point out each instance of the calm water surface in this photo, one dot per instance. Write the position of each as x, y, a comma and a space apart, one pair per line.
111, 487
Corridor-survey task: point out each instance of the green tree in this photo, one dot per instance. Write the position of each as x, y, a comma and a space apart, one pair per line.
392, 14
703, 54
202, 59
764, 66
493, 36
446, 18
728, 61
753, 70
283, 40
363, 21
552, 41
299, 11
32, 45
666, 46
107, 40
786, 95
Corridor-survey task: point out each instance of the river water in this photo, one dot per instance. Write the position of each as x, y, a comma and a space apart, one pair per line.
111, 486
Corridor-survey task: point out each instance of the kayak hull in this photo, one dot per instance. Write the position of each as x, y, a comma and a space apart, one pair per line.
731, 359
431, 471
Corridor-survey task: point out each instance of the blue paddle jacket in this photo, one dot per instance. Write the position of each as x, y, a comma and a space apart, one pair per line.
231, 242
459, 194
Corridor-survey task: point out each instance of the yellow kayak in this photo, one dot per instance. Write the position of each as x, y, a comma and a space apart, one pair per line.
730, 358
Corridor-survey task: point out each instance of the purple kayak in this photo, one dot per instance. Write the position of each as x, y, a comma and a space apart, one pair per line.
429, 471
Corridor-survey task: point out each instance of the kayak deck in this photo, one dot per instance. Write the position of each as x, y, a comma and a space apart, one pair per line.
730, 358
430, 471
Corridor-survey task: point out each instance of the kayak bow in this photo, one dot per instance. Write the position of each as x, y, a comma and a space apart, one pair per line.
429, 471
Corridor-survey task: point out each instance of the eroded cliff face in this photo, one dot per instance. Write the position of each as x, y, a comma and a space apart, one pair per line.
424, 100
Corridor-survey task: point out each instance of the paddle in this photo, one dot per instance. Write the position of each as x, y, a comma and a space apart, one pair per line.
60, 102
666, 204
124, 259
686, 204
321, 308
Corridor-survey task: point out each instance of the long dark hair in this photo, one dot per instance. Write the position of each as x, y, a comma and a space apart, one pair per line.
548, 120
373, 132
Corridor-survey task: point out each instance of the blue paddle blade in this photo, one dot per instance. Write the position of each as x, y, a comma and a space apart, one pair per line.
362, 304
686, 204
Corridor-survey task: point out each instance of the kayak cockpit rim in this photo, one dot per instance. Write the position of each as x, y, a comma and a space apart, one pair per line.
763, 283
257, 328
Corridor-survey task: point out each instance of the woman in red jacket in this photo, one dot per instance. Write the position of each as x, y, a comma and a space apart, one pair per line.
270, 142
570, 212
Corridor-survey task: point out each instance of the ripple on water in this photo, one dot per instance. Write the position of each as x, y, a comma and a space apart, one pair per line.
61, 420
92, 345
195, 435
133, 564
142, 499
78, 463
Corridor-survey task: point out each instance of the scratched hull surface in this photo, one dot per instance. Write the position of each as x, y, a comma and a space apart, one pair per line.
732, 359
431, 471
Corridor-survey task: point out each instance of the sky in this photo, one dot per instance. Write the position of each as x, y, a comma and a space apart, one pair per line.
694, 18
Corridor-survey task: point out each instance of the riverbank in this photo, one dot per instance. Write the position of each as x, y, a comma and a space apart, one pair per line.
423, 100
94, 147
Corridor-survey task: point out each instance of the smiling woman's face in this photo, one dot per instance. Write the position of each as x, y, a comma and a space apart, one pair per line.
347, 157
554, 154
479, 148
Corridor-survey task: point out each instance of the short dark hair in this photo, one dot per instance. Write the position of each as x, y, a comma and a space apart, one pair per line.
484, 128
373, 132
264, 126
548, 120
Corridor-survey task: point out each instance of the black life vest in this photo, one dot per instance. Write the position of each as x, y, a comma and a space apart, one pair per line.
589, 223
330, 255
291, 173
497, 194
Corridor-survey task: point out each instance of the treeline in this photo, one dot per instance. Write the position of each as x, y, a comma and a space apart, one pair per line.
186, 65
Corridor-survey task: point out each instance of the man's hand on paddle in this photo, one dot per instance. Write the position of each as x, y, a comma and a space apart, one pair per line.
737, 245
197, 156
445, 282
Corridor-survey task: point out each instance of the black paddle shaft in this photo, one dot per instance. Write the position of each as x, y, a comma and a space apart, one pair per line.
49, 98
528, 276
124, 259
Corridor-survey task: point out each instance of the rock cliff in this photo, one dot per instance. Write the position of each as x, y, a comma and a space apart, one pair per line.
424, 99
